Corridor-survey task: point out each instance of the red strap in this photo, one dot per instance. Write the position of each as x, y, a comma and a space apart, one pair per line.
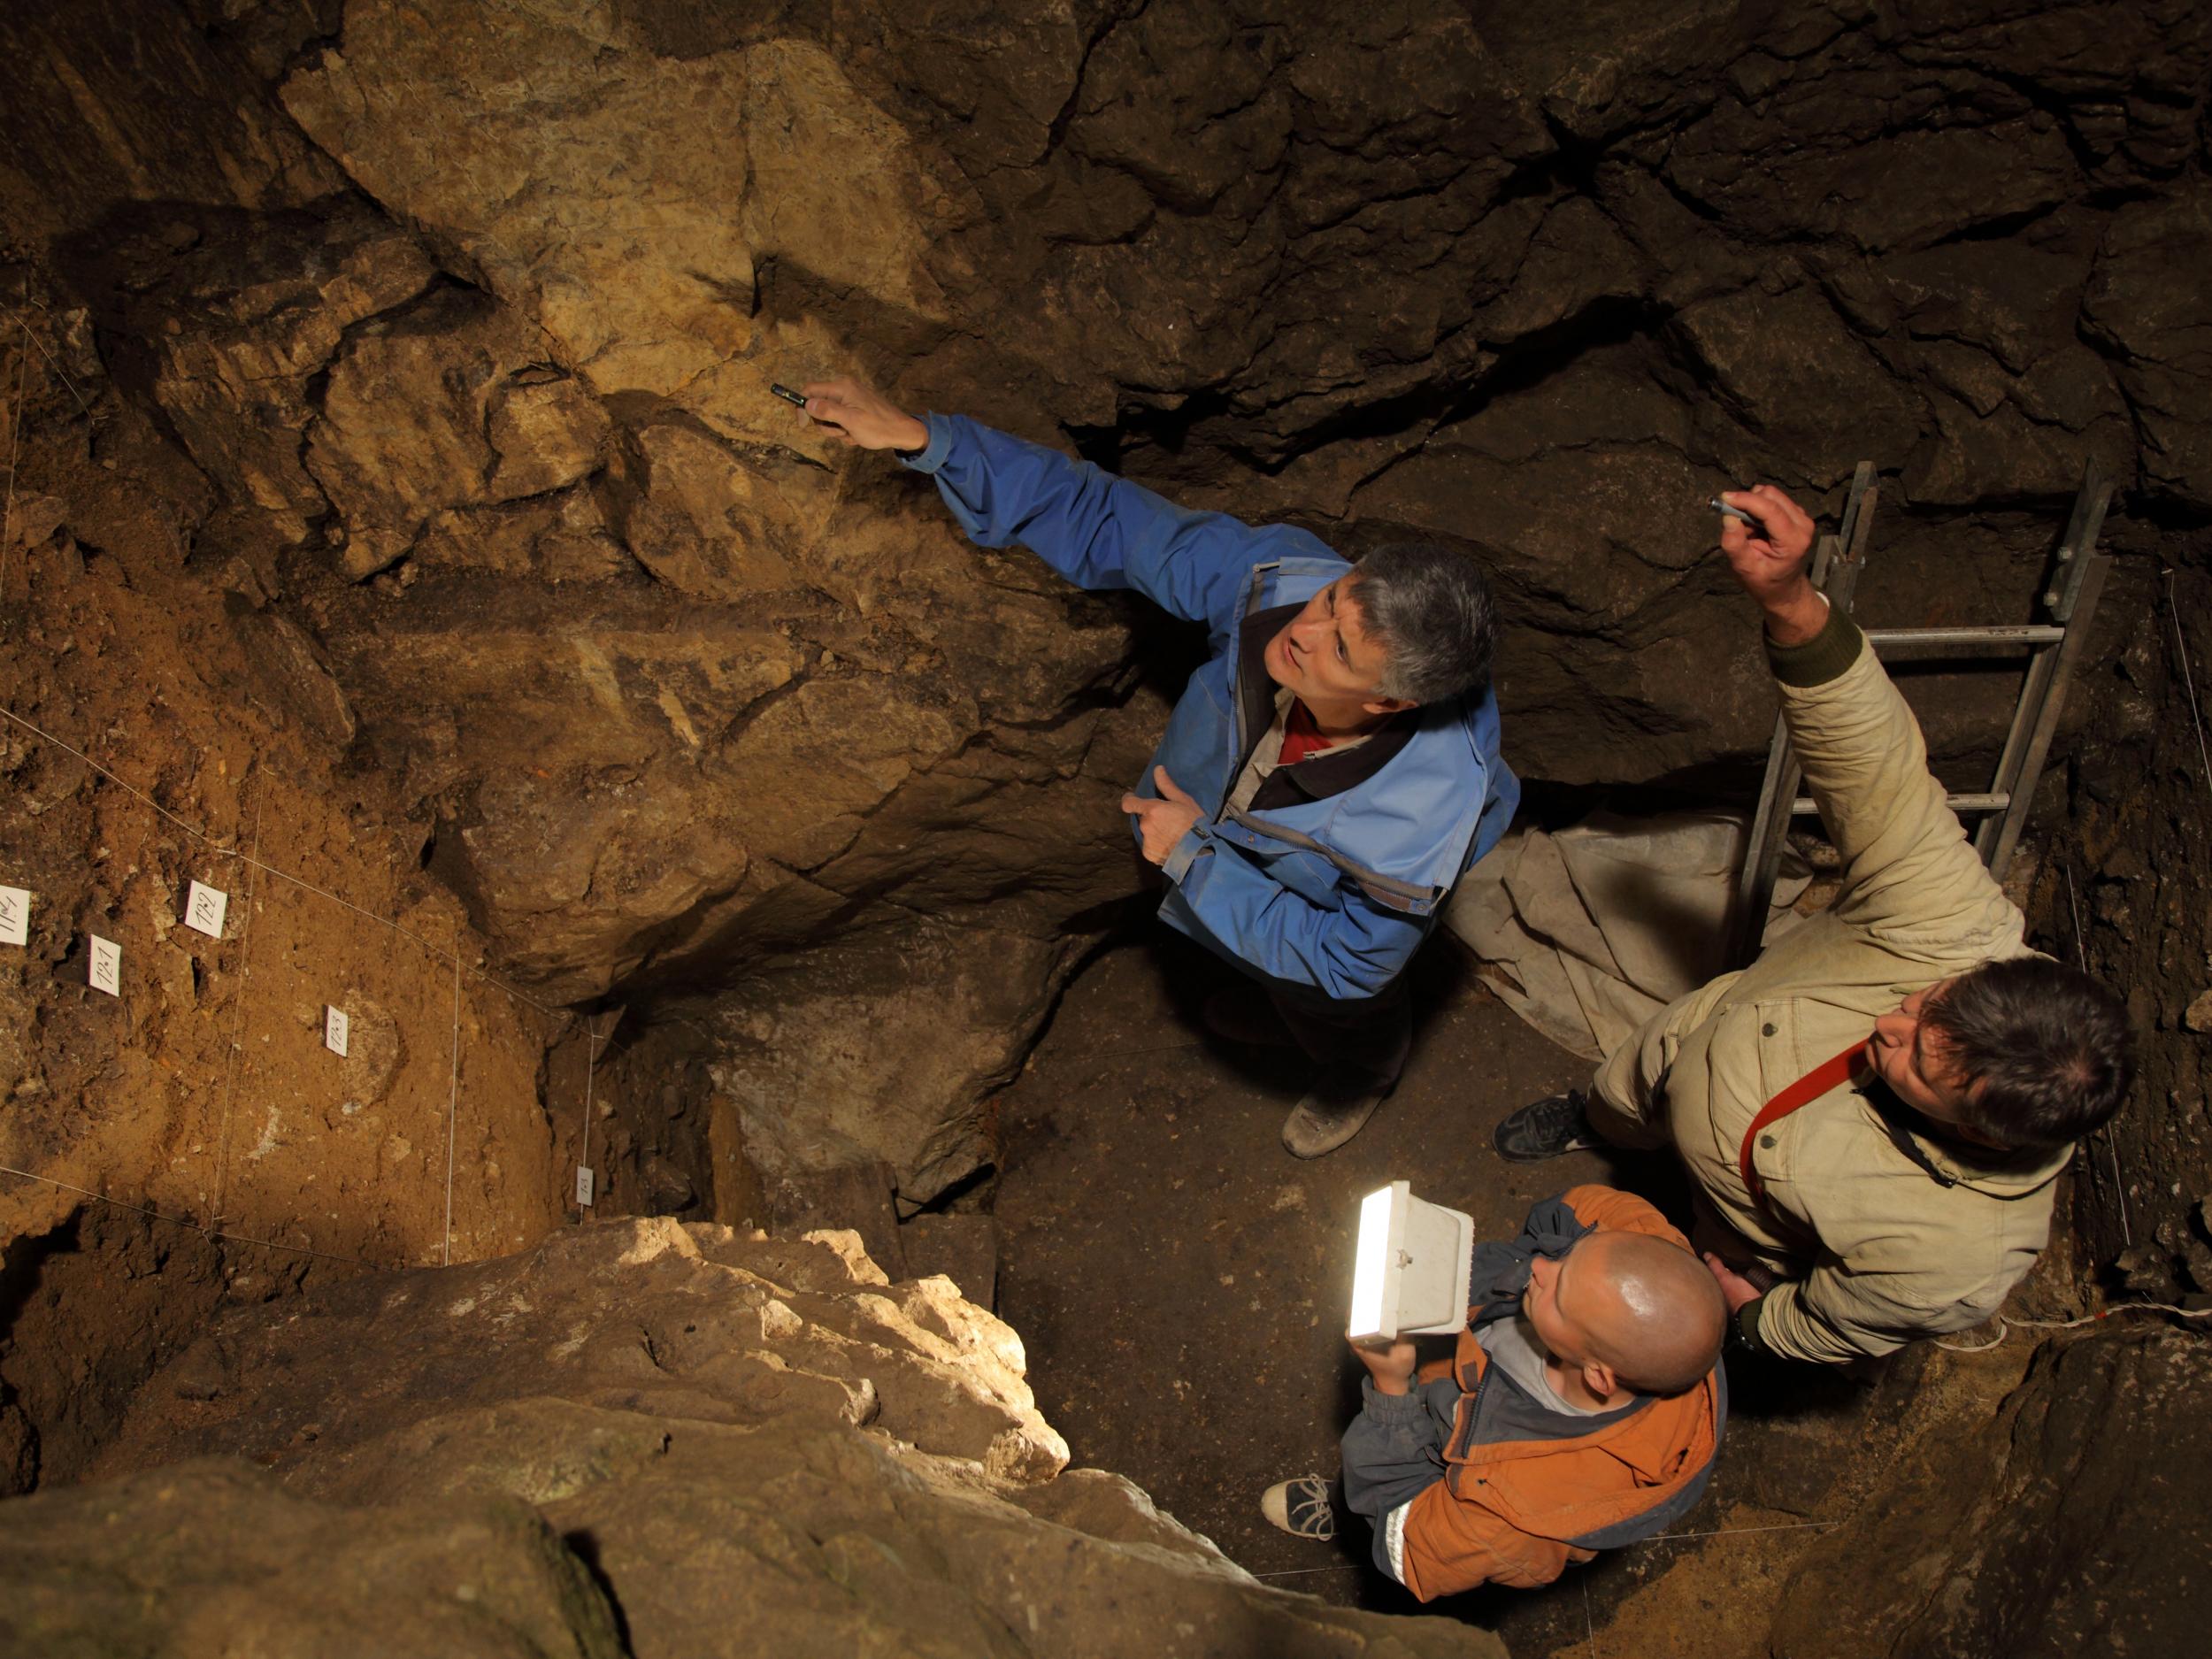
1808, 1089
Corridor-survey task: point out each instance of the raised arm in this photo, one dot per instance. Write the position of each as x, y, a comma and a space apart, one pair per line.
1096, 530
1909, 871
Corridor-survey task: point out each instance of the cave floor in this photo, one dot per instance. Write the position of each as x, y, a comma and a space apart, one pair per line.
1179, 1280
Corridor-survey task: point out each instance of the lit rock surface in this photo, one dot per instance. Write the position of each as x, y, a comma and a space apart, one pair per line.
724, 1443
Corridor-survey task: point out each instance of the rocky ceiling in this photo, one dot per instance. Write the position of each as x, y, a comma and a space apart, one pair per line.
465, 311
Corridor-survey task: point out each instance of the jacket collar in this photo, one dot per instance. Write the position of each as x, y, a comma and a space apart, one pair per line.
1950, 1163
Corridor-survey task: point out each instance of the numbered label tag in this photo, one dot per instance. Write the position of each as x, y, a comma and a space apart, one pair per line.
204, 907
585, 1186
15, 916
335, 1025
107, 966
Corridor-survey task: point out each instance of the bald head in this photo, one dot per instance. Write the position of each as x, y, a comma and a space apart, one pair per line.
1650, 1309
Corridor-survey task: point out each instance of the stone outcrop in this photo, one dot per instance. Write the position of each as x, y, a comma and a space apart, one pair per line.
695, 1441
214, 1557
2069, 1524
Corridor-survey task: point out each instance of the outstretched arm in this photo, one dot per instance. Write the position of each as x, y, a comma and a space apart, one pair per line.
1096, 530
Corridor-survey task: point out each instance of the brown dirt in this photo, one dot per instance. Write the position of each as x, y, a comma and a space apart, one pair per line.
204, 1091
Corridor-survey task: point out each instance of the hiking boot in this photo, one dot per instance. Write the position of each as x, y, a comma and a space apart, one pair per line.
1300, 1507
1246, 1014
1335, 1109
1557, 1123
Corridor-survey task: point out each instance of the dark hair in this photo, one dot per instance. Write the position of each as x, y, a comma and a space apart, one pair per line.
2046, 1051
1432, 611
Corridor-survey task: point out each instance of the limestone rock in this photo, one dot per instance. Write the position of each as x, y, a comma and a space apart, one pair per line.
243, 319
214, 1557
443, 404
631, 1312
757, 1444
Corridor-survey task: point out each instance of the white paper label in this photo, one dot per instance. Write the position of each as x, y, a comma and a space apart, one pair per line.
15, 916
583, 1186
204, 907
107, 966
335, 1025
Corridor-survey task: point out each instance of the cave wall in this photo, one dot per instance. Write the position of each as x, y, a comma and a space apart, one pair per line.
457, 319
644, 1438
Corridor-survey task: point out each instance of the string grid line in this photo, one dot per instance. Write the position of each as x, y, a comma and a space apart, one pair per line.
238, 1013
224, 850
52, 362
15, 449
2188, 680
452, 1110
2005, 1327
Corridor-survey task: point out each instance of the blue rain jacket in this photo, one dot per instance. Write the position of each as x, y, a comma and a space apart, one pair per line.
1332, 895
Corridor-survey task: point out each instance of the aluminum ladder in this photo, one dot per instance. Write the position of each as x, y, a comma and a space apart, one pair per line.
2053, 647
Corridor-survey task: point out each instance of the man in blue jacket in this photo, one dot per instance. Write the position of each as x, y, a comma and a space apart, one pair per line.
1326, 777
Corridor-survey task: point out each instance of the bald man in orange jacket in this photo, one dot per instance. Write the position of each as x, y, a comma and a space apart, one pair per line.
1583, 1410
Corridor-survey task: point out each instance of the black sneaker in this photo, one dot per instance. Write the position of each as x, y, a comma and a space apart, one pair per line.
1555, 1125
1300, 1507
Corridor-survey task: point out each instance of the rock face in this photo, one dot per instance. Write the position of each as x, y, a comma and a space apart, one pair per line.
217, 1558
2071, 1525
466, 314
709, 1442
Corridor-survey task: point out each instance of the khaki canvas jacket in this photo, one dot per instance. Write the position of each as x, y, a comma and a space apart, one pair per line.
1881, 1233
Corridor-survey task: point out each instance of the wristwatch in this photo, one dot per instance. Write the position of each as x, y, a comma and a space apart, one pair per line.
1743, 1329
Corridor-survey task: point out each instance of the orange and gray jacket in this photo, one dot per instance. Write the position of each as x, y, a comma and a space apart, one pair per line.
1471, 1480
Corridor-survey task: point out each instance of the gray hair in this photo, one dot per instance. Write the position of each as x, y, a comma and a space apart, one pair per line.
1431, 610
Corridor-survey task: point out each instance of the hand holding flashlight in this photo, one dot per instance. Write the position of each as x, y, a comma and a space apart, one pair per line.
854, 414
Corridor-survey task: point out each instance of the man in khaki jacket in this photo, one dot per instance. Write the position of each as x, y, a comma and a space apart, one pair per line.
1876, 1111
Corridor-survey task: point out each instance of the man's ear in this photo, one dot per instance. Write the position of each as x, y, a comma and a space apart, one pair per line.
1387, 705
1598, 1377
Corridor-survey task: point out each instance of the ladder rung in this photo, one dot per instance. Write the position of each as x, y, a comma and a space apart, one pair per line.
2017, 638
1804, 806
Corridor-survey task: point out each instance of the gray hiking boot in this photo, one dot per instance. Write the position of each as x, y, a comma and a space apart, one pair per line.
1335, 1109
